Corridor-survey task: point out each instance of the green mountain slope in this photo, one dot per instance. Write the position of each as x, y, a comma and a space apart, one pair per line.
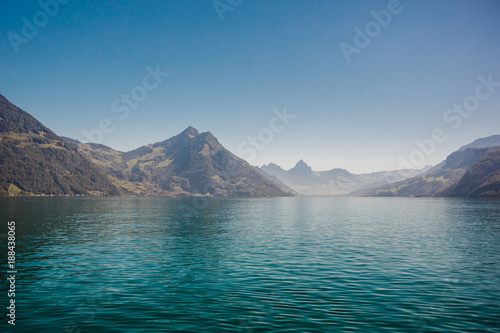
34, 160
186, 164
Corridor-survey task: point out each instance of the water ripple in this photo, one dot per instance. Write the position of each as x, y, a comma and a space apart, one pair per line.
256, 265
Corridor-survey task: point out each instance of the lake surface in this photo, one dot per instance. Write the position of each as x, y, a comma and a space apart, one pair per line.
254, 265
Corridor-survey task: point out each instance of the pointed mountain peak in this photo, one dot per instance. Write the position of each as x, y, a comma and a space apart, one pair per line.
301, 166
190, 132
301, 163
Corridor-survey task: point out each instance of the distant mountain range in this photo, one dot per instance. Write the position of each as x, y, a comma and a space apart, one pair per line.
35, 161
305, 181
472, 170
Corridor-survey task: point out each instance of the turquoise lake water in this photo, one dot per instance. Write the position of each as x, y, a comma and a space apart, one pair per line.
253, 265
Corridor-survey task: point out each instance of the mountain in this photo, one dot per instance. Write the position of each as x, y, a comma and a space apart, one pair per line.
35, 161
483, 178
466, 172
440, 182
278, 182
490, 141
304, 180
190, 163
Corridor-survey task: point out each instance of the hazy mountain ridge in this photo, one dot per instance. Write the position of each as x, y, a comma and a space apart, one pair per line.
490, 141
278, 182
35, 161
466, 172
304, 180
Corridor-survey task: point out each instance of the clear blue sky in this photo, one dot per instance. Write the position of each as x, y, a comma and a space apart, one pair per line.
226, 76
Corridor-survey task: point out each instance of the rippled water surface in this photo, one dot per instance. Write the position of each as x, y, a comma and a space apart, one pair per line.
254, 265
